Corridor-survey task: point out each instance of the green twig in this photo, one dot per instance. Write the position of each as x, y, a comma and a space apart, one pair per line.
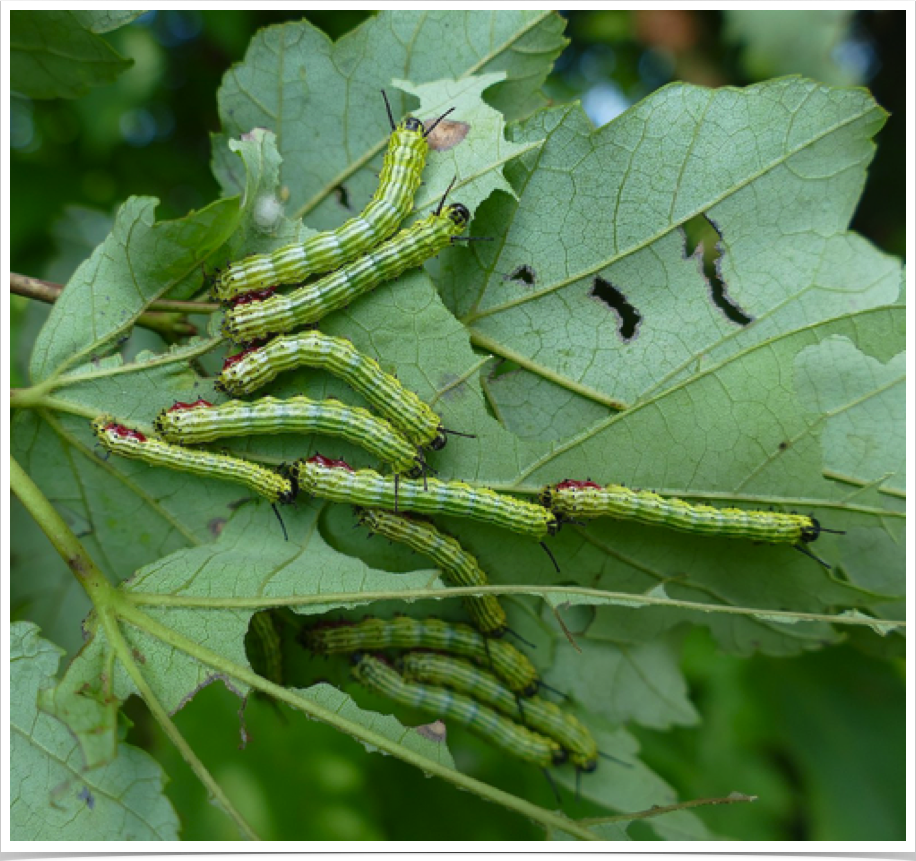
656, 810
59, 533
108, 602
49, 291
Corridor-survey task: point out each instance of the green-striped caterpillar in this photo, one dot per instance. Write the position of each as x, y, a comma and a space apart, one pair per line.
131, 443
573, 500
378, 676
308, 304
403, 632
368, 489
459, 568
195, 424
253, 368
541, 715
393, 199
263, 645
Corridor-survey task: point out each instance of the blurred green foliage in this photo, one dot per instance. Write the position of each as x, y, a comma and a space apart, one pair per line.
820, 738
147, 133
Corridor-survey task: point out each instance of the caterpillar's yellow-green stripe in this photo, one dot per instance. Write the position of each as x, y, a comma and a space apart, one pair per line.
197, 424
580, 500
309, 304
539, 714
369, 489
403, 632
393, 199
378, 676
264, 647
131, 443
459, 568
254, 369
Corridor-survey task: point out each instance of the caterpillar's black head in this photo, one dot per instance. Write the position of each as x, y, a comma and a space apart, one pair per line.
458, 214
290, 475
412, 124
438, 442
419, 469
530, 689
810, 533
587, 766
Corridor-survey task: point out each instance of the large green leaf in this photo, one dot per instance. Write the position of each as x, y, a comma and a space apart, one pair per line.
321, 98
715, 411
57, 54
776, 168
52, 795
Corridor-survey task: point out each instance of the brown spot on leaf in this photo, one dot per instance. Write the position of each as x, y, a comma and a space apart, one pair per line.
435, 731
447, 135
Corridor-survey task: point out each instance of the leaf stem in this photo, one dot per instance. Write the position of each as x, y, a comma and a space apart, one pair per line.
491, 345
109, 602
589, 596
657, 810
60, 535
35, 399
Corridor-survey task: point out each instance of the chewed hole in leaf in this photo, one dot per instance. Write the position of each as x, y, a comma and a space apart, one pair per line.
628, 318
702, 235
342, 196
503, 367
523, 274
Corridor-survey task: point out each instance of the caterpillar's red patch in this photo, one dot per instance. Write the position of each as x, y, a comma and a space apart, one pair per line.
231, 360
253, 296
571, 484
184, 405
328, 463
125, 432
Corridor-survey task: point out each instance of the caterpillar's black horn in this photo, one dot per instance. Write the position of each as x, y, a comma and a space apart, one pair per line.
388, 108
451, 185
429, 130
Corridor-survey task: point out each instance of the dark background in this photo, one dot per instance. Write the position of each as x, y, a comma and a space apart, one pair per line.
819, 738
